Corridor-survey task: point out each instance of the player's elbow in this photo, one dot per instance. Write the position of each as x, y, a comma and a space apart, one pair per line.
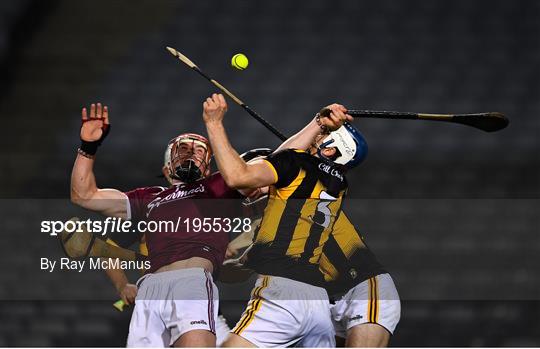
80, 199
238, 181
232, 182
77, 200
75, 197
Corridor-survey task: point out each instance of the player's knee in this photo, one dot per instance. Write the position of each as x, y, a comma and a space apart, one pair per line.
196, 338
235, 341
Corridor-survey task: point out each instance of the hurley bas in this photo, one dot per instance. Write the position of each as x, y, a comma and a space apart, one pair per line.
92, 264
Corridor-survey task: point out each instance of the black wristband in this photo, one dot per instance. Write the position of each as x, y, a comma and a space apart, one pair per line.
85, 154
90, 148
324, 129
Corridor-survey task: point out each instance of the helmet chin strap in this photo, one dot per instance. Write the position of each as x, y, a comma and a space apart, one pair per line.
335, 183
320, 149
187, 172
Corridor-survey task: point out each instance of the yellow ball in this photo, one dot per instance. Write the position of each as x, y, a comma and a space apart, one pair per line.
239, 61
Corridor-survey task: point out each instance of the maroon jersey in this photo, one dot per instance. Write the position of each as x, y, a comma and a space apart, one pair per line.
183, 204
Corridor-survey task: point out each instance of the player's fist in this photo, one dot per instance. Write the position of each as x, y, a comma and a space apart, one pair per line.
214, 108
95, 125
334, 116
128, 293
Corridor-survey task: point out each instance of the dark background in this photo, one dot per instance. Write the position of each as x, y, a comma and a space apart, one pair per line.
451, 211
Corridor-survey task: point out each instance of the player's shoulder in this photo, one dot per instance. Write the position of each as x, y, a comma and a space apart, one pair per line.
142, 191
212, 178
289, 154
216, 187
301, 157
154, 189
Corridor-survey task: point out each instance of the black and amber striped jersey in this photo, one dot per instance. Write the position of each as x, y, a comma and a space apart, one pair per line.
126, 240
346, 260
302, 208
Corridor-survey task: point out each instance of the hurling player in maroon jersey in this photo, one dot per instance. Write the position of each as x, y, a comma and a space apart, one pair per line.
177, 300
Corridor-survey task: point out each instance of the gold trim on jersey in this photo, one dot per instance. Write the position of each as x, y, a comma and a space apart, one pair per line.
143, 249
253, 307
111, 242
327, 268
273, 169
286, 192
373, 300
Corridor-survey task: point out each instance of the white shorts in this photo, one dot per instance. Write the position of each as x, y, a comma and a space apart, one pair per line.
373, 301
171, 303
222, 330
283, 312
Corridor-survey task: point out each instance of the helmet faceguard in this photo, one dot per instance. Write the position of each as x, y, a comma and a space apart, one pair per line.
187, 157
351, 147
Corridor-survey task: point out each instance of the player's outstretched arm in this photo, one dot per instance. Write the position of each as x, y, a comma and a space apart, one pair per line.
320, 123
126, 290
84, 191
236, 173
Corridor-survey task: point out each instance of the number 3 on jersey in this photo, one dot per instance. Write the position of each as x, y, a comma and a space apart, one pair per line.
323, 215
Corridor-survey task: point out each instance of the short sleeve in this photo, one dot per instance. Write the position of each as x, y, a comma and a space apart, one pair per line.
285, 167
138, 199
219, 188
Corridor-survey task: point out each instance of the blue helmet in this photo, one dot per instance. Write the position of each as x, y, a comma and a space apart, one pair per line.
351, 145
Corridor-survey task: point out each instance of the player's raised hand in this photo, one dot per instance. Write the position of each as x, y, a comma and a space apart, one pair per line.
95, 125
214, 108
334, 116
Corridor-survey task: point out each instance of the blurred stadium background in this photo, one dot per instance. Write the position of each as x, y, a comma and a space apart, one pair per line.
451, 211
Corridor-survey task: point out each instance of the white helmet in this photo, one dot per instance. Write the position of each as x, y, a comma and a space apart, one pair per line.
351, 146
182, 167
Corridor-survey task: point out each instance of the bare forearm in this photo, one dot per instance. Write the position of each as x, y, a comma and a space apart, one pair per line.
224, 153
236, 173
85, 193
333, 119
118, 278
83, 188
83, 181
303, 139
